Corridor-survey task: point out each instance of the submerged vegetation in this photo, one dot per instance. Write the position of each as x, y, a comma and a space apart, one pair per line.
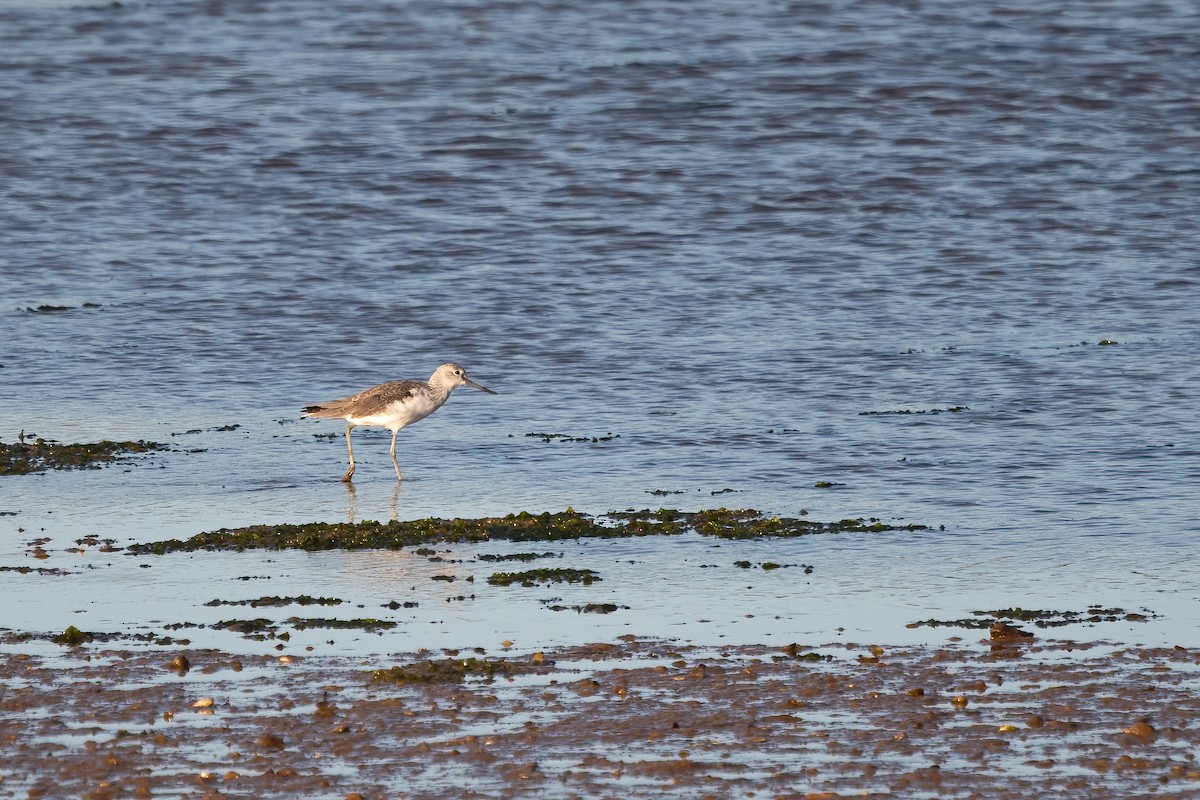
532, 577
302, 600
721, 523
950, 410
38, 455
1040, 618
453, 670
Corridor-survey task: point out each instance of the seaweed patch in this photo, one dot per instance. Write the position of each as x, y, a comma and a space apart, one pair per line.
39, 455
302, 600
532, 577
906, 411
721, 523
1043, 619
452, 670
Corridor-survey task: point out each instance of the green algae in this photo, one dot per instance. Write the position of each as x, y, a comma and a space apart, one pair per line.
768, 566
395, 604
798, 652
25, 457
450, 670
724, 523
366, 624
246, 626
262, 628
36, 570
391, 535
302, 600
1041, 618
589, 608
73, 637
518, 556
532, 577
721, 523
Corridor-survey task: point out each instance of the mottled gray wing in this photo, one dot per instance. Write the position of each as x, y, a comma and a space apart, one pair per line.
367, 402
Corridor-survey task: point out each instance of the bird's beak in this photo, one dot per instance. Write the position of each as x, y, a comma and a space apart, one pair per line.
477, 386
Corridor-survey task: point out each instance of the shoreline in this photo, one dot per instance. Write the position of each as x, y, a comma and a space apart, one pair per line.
633, 718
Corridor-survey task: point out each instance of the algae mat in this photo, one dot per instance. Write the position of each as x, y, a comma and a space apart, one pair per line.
524, 527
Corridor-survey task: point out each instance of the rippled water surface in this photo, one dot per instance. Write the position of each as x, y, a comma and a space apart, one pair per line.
727, 241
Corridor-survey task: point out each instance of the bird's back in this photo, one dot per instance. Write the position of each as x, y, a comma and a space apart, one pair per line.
395, 403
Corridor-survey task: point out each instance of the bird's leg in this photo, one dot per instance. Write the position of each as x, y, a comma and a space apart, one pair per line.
399, 477
350, 447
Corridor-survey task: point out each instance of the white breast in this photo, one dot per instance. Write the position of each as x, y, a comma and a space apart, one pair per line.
399, 415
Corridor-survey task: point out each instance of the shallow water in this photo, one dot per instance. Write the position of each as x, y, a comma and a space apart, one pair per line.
719, 235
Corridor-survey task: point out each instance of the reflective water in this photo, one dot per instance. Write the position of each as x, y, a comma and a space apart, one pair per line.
719, 234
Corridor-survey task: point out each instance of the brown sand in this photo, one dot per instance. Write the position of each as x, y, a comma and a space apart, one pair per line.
630, 719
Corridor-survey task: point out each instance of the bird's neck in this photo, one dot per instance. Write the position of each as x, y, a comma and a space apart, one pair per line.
439, 391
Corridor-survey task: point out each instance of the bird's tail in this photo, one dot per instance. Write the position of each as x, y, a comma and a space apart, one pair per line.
323, 411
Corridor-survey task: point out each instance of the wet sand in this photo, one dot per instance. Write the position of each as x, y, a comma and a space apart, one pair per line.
1009, 718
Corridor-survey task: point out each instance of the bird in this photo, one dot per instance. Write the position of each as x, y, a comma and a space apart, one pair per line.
393, 405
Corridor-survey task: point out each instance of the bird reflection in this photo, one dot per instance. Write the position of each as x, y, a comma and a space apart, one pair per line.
352, 503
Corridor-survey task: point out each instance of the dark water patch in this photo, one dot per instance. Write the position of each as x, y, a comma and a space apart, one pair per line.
566, 437
22, 457
564, 525
950, 410
52, 309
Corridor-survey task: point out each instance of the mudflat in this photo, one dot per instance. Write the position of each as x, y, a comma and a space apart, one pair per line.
1007, 717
